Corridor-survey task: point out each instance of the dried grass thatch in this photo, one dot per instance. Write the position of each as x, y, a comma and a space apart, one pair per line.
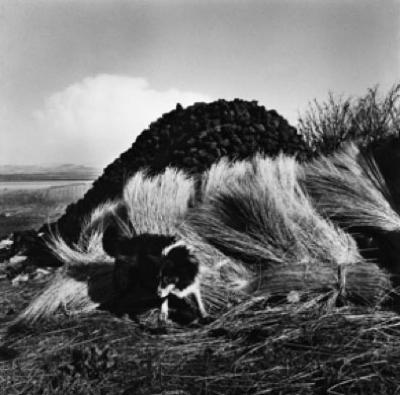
349, 188
254, 348
296, 307
261, 216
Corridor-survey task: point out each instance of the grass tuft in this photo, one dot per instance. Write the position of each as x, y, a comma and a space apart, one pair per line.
327, 125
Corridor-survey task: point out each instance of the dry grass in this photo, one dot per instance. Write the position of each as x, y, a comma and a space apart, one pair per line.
254, 348
326, 125
296, 309
348, 187
263, 218
158, 203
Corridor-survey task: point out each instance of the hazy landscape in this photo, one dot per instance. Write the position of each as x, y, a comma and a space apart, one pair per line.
33, 195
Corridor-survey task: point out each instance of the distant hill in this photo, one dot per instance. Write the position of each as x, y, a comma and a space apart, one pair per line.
48, 172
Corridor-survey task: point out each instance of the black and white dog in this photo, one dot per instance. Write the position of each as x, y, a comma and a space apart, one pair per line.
157, 263
179, 275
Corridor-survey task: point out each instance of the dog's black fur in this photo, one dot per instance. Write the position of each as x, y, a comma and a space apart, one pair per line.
137, 258
141, 268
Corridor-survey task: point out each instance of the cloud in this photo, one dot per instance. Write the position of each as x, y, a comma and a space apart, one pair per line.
96, 119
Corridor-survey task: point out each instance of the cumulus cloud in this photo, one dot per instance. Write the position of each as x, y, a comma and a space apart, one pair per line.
99, 117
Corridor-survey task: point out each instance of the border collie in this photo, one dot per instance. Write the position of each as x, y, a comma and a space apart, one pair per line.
157, 263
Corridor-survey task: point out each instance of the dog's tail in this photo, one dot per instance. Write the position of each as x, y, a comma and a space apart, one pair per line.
263, 217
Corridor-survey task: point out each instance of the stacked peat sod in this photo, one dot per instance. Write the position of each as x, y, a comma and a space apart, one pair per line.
191, 139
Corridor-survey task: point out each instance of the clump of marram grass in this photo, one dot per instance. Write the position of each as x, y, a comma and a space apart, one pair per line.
349, 188
223, 173
263, 218
157, 204
327, 125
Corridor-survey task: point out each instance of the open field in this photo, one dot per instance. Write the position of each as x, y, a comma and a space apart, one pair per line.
29, 204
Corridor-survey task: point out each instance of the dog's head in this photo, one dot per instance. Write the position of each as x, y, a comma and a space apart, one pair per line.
178, 271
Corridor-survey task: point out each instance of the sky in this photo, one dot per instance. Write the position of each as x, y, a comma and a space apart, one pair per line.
80, 79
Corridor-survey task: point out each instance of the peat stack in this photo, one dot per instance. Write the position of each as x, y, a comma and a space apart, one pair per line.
191, 139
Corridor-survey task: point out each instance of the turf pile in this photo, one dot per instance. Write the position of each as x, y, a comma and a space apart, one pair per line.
190, 139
